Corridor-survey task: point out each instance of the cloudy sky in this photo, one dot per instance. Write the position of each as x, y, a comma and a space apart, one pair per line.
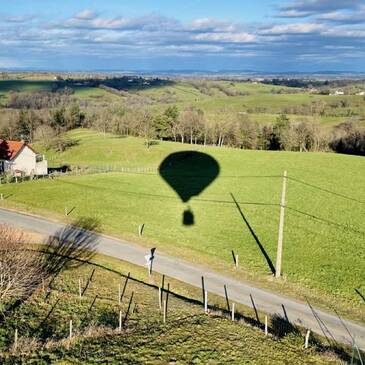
261, 35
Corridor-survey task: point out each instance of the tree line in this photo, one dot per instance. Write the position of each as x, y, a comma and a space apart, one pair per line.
31, 121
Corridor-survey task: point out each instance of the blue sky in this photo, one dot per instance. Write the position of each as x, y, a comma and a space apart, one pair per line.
262, 35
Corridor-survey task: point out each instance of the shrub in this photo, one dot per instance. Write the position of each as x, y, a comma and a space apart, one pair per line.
20, 268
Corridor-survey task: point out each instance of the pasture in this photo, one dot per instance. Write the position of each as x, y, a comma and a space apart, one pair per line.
43, 324
324, 235
261, 103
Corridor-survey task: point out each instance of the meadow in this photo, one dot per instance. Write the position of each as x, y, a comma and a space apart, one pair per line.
261, 103
324, 231
188, 336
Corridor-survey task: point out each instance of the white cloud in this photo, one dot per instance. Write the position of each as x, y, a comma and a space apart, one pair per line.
294, 28
226, 37
90, 34
86, 14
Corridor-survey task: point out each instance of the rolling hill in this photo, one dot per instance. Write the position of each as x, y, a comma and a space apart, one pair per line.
323, 235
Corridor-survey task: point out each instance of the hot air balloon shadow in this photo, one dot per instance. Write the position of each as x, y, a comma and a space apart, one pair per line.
189, 173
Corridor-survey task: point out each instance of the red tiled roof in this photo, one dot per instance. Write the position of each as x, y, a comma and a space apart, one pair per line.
10, 149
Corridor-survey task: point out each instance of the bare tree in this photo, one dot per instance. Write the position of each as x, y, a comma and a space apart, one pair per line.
20, 268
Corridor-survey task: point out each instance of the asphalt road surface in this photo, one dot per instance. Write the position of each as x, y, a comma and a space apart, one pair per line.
323, 323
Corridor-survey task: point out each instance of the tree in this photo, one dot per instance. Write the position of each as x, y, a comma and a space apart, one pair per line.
246, 133
45, 135
162, 125
147, 127
103, 121
26, 125
20, 268
280, 136
74, 117
172, 113
58, 119
304, 136
191, 124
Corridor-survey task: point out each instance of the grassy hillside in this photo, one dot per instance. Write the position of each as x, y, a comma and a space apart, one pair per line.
261, 102
189, 335
324, 229
94, 94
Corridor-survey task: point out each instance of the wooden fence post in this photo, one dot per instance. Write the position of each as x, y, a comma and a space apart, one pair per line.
70, 334
80, 289
266, 328
307, 339
120, 321
233, 311
164, 310
159, 298
203, 290
205, 301
16, 339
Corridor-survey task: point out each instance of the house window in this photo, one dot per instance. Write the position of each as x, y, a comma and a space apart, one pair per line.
2, 166
39, 158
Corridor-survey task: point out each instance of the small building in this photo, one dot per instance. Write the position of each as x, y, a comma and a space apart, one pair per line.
337, 93
18, 158
361, 93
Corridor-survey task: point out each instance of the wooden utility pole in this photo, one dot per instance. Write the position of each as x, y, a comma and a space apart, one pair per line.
281, 229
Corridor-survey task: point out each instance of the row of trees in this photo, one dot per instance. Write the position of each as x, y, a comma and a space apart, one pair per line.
189, 125
192, 126
335, 108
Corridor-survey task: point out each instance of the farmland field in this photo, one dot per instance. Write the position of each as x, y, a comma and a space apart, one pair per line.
6, 86
262, 103
324, 233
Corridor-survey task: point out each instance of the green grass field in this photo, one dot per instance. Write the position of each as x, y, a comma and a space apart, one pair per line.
189, 335
25, 85
93, 94
257, 95
6, 86
324, 248
184, 94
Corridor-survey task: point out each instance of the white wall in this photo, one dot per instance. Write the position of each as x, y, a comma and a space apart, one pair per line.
41, 168
25, 161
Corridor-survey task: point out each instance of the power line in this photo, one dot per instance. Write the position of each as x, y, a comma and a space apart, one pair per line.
189, 176
159, 196
339, 225
226, 202
326, 190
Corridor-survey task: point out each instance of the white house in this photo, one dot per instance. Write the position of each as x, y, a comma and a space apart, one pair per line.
19, 158
338, 92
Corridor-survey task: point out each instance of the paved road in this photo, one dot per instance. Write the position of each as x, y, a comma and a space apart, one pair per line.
239, 292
